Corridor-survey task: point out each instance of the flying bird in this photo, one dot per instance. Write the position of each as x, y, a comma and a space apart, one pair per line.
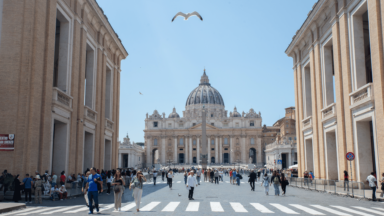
140, 93
186, 16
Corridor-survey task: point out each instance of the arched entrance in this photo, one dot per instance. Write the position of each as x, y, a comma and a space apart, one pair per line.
181, 158
155, 156
252, 154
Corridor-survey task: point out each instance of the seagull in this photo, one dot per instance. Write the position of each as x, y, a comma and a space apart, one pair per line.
140, 93
186, 16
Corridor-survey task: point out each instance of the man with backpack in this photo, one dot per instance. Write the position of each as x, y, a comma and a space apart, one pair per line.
275, 180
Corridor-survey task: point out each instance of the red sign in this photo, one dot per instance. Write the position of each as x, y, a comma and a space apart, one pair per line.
350, 156
7, 142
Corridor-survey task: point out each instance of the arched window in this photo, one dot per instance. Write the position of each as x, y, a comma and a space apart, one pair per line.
194, 142
212, 142
251, 123
181, 141
155, 142
252, 141
225, 141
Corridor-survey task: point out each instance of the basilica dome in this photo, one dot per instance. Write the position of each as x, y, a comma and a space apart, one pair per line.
204, 94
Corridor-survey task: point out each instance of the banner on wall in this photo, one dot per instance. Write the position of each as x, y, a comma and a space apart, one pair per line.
7, 142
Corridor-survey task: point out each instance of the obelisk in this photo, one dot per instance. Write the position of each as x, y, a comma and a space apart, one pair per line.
204, 153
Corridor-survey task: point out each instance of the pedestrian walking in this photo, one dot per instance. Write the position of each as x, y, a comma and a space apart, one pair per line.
306, 178
382, 185
238, 177
154, 177
109, 180
16, 192
93, 181
162, 175
84, 189
191, 184
284, 183
137, 186
27, 182
265, 183
234, 178
221, 175
37, 185
205, 175
118, 183
198, 175
251, 180
216, 175
346, 180
185, 177
170, 178
373, 184
258, 175
275, 180
211, 175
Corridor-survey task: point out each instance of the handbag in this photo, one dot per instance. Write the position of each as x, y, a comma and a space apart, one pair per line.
116, 189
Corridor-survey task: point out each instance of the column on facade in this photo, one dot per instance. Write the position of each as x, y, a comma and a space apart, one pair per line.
221, 149
289, 158
231, 152
243, 155
175, 150
148, 151
120, 158
209, 149
190, 150
130, 162
259, 159
216, 150
186, 150
198, 151
163, 153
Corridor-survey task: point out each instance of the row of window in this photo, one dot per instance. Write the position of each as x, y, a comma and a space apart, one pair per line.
181, 141
251, 124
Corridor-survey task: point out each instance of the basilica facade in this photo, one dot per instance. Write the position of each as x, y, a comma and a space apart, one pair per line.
237, 138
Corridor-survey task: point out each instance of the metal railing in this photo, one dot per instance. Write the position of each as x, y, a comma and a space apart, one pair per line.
347, 188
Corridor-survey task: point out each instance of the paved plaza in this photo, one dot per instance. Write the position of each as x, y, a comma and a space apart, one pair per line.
211, 199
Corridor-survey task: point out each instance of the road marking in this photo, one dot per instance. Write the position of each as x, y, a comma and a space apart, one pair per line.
178, 182
60, 210
150, 206
306, 209
37, 211
128, 207
79, 210
21, 211
226, 181
261, 208
242, 182
331, 210
283, 208
238, 207
171, 207
351, 210
193, 206
382, 209
107, 207
216, 207
369, 210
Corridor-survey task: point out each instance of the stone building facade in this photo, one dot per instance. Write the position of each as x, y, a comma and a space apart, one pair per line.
59, 86
130, 154
284, 148
339, 88
234, 139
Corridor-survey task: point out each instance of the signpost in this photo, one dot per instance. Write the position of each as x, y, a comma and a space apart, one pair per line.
279, 161
350, 156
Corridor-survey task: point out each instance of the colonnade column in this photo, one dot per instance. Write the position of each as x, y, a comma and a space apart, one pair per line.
243, 158
186, 150
120, 158
198, 150
190, 150
175, 150
148, 162
289, 159
162, 150
209, 149
130, 160
216, 151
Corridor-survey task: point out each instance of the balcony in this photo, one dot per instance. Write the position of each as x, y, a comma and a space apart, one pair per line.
90, 114
328, 112
307, 123
109, 124
61, 98
362, 96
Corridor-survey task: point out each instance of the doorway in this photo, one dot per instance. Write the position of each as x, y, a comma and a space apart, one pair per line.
252, 154
107, 154
59, 146
226, 157
181, 158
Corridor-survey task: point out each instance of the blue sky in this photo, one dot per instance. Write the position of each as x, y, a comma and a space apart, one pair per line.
240, 43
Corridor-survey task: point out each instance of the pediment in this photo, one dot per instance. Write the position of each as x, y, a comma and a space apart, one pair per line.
198, 127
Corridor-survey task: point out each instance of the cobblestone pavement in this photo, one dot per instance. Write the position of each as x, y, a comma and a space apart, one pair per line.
211, 199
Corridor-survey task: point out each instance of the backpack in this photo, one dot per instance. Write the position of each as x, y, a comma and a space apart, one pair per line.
276, 180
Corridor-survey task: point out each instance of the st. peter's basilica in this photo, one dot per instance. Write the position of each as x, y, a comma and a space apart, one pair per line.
239, 138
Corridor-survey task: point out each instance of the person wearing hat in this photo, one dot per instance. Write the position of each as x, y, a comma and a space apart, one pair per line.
191, 184
38, 183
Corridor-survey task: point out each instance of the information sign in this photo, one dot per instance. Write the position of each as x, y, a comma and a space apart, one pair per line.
7, 142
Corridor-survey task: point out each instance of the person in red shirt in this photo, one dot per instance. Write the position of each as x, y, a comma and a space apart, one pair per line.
62, 178
230, 176
346, 180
